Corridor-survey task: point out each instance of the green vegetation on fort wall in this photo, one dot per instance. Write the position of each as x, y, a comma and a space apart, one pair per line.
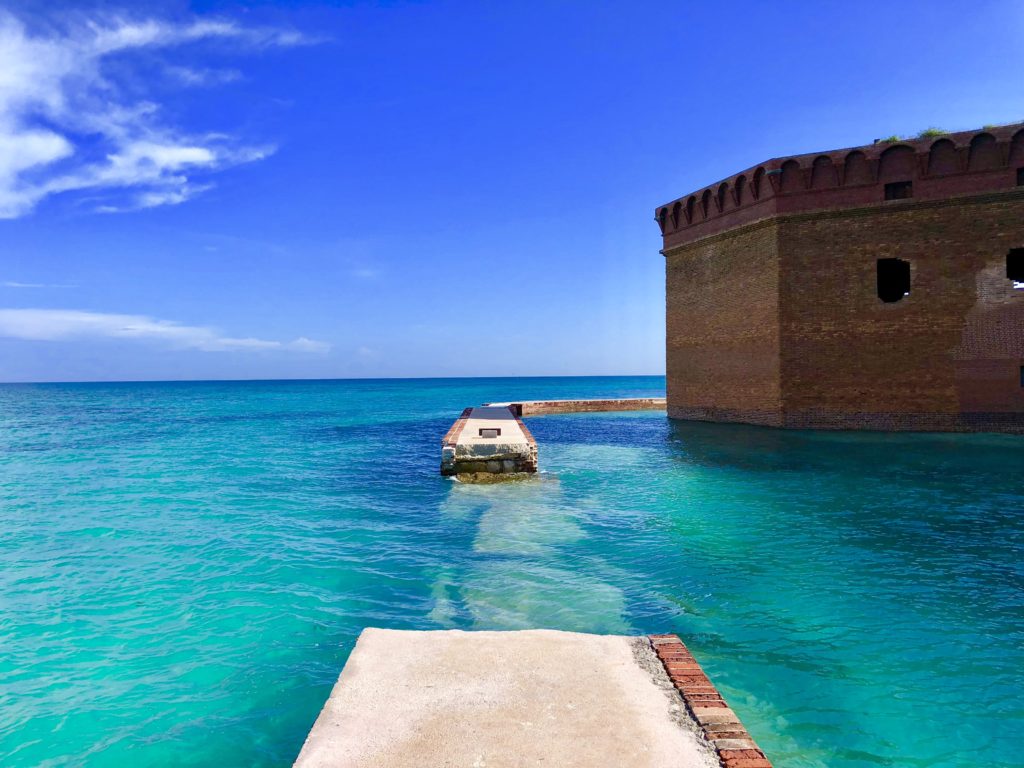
927, 133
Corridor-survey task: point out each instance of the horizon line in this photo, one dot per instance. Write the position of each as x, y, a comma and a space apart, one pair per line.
349, 378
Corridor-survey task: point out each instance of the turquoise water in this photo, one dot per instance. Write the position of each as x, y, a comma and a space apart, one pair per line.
185, 567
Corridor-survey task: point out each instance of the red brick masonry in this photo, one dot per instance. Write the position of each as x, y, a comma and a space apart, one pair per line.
526, 431
721, 726
452, 437
774, 314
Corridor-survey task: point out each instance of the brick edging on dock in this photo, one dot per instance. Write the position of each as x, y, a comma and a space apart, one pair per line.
526, 432
452, 437
719, 724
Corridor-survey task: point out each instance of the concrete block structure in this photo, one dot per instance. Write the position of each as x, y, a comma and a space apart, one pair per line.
408, 699
488, 441
877, 287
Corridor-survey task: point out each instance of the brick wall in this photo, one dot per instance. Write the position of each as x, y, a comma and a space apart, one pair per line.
953, 346
722, 331
779, 322
717, 722
773, 315
964, 163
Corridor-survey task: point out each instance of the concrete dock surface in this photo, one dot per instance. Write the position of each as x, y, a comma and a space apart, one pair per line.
488, 440
491, 431
490, 699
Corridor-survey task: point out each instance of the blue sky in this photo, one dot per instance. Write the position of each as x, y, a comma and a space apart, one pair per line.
288, 190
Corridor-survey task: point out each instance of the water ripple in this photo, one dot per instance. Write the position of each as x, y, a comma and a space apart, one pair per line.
185, 567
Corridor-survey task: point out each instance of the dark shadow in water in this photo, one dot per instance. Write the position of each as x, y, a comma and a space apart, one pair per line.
629, 429
755, 448
952, 504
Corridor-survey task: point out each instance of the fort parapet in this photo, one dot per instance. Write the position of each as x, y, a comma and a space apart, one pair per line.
877, 287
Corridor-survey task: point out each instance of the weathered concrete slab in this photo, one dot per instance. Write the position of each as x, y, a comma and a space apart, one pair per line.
488, 439
493, 699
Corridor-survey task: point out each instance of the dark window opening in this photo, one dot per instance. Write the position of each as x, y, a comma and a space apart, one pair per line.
899, 190
1020, 177
893, 279
1022, 375
1015, 267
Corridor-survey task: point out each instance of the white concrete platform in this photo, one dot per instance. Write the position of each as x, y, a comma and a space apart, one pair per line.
488, 440
502, 699
478, 438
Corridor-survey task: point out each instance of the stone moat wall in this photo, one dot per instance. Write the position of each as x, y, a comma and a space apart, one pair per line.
553, 407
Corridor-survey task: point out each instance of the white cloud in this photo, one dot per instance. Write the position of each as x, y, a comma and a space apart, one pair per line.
66, 125
156, 198
308, 345
73, 324
203, 76
16, 284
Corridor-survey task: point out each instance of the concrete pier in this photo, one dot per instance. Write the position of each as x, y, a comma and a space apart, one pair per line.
552, 407
489, 440
536, 697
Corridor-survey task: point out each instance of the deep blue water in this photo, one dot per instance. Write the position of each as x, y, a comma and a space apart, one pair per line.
184, 567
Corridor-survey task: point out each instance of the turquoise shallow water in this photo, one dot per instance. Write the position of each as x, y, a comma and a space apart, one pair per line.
185, 567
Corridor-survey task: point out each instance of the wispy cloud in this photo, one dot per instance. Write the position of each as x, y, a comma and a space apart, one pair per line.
194, 76
16, 284
66, 124
73, 324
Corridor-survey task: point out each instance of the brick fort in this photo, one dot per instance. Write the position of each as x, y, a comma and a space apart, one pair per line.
877, 287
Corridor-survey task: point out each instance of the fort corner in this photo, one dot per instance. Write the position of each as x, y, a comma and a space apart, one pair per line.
877, 287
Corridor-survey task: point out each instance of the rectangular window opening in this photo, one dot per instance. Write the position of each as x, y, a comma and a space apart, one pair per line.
893, 279
1022, 375
490, 431
1015, 267
1020, 177
899, 190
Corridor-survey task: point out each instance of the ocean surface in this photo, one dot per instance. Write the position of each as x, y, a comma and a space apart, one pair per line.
184, 567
